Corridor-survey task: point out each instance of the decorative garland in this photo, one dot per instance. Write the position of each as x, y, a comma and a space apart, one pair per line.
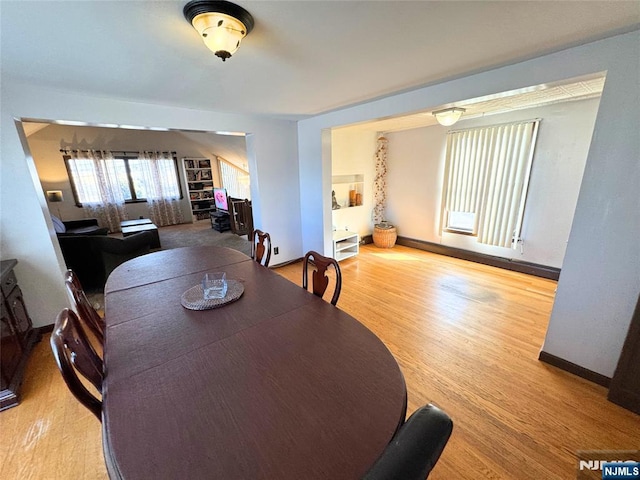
380, 181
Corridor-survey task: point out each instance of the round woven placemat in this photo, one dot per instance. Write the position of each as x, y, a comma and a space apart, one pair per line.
193, 299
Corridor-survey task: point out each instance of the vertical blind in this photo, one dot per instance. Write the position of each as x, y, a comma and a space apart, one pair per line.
487, 173
234, 180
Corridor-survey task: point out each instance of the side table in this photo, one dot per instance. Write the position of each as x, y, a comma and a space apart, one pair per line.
220, 221
145, 227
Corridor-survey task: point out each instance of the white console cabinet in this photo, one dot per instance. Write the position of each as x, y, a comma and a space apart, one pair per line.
345, 244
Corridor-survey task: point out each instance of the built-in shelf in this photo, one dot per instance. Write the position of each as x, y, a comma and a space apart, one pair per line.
348, 189
199, 176
345, 244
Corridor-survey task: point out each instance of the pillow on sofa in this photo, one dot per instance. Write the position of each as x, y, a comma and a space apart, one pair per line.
58, 226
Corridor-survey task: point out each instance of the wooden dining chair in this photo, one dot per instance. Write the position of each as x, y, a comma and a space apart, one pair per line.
415, 448
320, 281
261, 244
83, 307
73, 353
240, 216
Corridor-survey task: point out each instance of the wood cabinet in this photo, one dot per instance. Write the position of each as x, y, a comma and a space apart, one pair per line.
345, 244
17, 336
199, 176
625, 384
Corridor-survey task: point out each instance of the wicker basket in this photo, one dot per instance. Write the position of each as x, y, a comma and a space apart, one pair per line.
384, 236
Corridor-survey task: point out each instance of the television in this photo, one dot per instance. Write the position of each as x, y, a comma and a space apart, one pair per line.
220, 199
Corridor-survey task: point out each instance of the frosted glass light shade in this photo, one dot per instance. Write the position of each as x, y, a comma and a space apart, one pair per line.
221, 25
221, 33
448, 116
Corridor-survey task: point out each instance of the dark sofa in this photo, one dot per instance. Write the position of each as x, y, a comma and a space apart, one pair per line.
86, 226
93, 257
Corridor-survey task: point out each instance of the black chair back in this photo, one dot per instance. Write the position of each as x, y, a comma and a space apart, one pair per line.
416, 447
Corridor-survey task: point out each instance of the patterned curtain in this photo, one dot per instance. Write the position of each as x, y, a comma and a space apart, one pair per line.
100, 189
161, 187
380, 181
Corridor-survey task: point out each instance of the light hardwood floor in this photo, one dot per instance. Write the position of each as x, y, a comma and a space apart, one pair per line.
466, 337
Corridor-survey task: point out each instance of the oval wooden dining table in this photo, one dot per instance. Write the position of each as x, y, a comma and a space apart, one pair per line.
276, 385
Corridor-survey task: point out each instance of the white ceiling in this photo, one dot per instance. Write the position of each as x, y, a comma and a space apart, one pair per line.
301, 59
535, 96
230, 147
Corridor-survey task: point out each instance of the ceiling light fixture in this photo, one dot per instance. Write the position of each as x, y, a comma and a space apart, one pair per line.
222, 25
448, 116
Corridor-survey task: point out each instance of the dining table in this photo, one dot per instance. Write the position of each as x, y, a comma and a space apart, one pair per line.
278, 384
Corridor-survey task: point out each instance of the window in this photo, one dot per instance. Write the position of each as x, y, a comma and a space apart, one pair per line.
95, 176
486, 179
234, 180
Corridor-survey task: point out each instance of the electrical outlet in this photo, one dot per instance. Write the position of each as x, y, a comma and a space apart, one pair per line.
276, 250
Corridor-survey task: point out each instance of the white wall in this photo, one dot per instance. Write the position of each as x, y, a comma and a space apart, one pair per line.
600, 280
314, 157
416, 171
414, 182
26, 231
352, 153
600, 277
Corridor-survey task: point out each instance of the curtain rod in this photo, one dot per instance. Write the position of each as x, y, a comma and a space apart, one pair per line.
121, 152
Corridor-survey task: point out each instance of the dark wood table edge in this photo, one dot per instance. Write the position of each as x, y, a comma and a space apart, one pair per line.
112, 466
